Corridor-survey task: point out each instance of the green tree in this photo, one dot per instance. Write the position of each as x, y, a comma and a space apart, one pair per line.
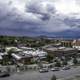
57, 64
49, 58
10, 52
75, 61
64, 62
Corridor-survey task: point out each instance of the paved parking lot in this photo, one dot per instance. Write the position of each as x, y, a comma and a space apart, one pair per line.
35, 75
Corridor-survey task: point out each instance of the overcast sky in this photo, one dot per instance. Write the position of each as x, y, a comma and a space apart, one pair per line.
36, 17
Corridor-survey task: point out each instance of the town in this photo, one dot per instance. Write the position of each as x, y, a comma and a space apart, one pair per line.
41, 54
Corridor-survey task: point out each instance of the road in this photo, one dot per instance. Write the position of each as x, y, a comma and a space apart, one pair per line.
35, 75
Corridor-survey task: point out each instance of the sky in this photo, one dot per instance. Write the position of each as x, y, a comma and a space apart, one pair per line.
40, 17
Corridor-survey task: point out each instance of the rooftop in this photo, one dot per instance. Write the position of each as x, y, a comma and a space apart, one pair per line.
60, 49
21, 55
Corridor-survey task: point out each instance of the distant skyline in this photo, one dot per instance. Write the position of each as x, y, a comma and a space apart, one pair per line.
40, 17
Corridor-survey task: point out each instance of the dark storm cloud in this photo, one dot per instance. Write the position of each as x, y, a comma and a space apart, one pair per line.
30, 17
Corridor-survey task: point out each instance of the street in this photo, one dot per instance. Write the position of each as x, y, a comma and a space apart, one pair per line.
35, 75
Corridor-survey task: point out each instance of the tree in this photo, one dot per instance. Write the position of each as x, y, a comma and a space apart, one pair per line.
49, 58
53, 77
75, 61
10, 52
57, 64
64, 62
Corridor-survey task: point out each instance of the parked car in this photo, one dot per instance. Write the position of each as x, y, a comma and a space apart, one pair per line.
66, 68
55, 69
43, 70
4, 74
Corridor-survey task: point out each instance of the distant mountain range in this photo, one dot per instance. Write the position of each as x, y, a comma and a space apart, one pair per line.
64, 34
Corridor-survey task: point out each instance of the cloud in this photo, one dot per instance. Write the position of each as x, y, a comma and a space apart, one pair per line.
67, 7
17, 11
72, 22
33, 16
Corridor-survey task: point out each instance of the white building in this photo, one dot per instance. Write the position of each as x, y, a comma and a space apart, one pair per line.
36, 53
28, 54
76, 44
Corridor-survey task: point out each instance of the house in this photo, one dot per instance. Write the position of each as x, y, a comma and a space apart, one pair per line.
36, 53
66, 43
76, 44
21, 58
28, 54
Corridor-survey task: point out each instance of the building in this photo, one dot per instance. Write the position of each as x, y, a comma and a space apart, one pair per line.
21, 58
76, 44
66, 43
28, 54
61, 51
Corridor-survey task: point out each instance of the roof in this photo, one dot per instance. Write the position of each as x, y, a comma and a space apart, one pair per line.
36, 53
19, 56
68, 49
16, 56
13, 48
27, 48
60, 49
